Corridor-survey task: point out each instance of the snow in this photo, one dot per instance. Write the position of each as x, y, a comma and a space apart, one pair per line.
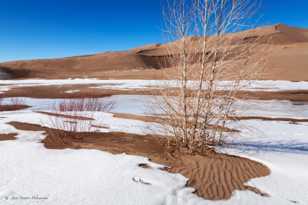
139, 105
254, 133
272, 134
253, 85
269, 135
63, 177
32, 174
94, 177
272, 108
101, 119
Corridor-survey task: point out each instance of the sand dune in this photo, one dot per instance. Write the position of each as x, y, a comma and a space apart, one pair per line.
285, 55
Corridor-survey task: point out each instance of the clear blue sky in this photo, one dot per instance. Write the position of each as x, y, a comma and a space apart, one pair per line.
56, 28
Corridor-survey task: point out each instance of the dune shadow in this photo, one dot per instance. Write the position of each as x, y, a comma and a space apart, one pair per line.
7, 73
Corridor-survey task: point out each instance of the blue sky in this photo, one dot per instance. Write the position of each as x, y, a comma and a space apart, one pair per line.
55, 28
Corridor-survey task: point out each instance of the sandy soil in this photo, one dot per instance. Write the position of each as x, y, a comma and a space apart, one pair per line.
12, 107
157, 119
215, 176
4, 137
54, 91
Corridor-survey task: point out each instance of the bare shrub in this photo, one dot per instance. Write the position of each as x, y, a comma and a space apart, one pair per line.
84, 104
202, 56
73, 116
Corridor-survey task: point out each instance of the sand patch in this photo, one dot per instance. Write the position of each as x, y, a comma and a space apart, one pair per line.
12, 107
215, 176
11, 136
155, 119
87, 91
55, 91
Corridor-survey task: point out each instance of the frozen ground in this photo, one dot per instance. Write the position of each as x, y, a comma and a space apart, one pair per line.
270, 135
254, 133
31, 174
253, 85
139, 104
103, 122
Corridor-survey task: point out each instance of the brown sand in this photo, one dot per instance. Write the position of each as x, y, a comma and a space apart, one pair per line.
87, 91
215, 176
294, 95
55, 91
5, 137
156, 119
12, 107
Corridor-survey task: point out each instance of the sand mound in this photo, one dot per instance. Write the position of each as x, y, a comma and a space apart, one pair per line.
215, 176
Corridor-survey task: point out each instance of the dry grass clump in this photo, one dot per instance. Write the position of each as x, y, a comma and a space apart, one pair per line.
74, 116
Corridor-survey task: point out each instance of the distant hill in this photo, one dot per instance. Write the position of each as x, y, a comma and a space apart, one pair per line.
286, 58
